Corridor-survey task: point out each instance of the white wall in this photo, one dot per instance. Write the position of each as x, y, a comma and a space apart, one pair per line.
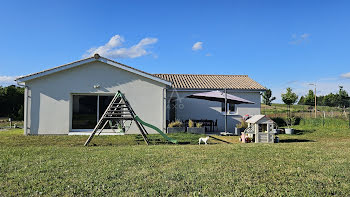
189, 108
50, 101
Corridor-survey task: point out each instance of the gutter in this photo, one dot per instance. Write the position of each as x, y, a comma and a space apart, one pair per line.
25, 128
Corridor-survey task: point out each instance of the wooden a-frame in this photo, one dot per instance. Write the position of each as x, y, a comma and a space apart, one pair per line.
118, 109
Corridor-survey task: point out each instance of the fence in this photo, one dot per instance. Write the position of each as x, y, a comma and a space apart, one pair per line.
304, 112
336, 117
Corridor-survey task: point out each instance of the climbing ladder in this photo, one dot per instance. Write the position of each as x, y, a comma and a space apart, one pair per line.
119, 109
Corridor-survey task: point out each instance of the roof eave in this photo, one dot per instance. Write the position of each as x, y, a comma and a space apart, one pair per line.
210, 89
88, 60
53, 70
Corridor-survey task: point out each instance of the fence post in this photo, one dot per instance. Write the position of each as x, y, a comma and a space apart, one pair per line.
10, 120
349, 119
324, 116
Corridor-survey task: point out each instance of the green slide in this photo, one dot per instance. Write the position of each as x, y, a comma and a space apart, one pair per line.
156, 128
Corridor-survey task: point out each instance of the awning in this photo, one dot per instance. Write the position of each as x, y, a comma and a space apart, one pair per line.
220, 97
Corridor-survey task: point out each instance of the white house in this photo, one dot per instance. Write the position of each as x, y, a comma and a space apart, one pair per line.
72, 97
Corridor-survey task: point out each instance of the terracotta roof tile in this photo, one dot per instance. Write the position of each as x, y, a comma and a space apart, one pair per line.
192, 81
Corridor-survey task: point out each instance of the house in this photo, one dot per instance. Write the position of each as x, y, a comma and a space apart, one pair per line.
69, 99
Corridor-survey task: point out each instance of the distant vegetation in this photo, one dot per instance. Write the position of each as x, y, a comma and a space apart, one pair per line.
340, 99
328, 106
302, 110
267, 97
11, 102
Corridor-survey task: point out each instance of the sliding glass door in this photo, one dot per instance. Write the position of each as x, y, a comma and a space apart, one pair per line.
87, 109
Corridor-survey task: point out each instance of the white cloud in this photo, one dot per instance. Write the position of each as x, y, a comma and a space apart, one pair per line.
208, 54
197, 46
346, 75
298, 39
7, 80
112, 49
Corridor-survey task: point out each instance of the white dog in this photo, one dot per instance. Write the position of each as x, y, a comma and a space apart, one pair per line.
203, 139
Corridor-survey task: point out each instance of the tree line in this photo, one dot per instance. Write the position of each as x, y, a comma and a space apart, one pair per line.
12, 102
339, 99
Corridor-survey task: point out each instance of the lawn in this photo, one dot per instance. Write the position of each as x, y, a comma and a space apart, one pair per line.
316, 161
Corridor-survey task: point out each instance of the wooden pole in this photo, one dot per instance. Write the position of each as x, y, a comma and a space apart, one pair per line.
315, 103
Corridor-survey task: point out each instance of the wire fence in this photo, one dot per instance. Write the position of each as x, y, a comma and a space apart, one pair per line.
325, 116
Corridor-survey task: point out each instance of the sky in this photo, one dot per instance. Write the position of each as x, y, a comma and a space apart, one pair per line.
279, 44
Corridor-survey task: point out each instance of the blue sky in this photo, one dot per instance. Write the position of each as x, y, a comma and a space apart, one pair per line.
277, 43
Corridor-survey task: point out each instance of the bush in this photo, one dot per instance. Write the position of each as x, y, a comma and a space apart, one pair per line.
242, 125
176, 123
279, 121
297, 120
190, 123
199, 125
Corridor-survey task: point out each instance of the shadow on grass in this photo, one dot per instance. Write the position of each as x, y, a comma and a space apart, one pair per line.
302, 132
295, 140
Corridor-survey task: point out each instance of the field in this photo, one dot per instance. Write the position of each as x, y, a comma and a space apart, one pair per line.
315, 162
304, 111
4, 123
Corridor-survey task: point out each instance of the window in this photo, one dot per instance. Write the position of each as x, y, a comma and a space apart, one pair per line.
231, 108
103, 104
84, 112
87, 109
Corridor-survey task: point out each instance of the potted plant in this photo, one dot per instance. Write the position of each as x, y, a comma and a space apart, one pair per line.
290, 122
195, 128
289, 98
176, 127
240, 127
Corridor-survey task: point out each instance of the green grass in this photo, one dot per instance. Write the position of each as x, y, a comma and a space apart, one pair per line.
315, 162
6, 123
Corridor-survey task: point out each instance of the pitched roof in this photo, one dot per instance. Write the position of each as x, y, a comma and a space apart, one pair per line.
96, 57
256, 118
192, 81
179, 81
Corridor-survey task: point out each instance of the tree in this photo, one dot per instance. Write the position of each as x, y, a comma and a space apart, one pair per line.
11, 102
330, 100
289, 98
310, 98
267, 100
301, 100
343, 98
320, 100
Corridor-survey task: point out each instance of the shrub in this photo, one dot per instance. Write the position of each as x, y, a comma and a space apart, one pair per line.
297, 120
199, 125
279, 121
242, 125
176, 123
190, 123
290, 121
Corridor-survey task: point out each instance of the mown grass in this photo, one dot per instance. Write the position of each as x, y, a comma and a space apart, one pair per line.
316, 162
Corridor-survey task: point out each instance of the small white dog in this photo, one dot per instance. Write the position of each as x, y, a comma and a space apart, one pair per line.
203, 139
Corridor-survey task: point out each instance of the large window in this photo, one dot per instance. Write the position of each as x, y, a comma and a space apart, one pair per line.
87, 109
103, 104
